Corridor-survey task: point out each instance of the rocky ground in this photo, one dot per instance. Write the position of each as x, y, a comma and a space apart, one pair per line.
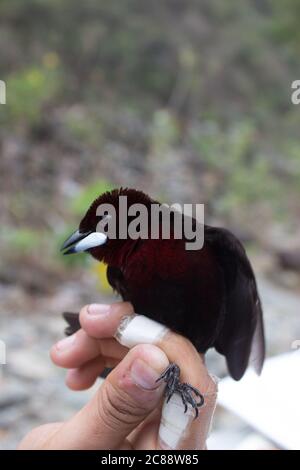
33, 390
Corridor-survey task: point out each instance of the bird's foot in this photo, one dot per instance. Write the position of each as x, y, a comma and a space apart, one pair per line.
186, 391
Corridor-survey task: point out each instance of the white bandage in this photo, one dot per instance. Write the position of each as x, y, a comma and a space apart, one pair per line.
178, 429
138, 329
174, 421
175, 425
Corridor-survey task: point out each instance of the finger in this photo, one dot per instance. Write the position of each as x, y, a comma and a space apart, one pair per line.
175, 423
177, 348
180, 430
79, 348
142, 329
101, 321
40, 438
139, 329
127, 396
37, 438
85, 376
182, 352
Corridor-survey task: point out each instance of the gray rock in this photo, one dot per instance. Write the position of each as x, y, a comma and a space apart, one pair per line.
13, 394
32, 365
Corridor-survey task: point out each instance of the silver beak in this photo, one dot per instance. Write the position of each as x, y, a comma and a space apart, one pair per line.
79, 242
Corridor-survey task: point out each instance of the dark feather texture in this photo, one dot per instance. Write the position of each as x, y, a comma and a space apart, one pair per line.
209, 295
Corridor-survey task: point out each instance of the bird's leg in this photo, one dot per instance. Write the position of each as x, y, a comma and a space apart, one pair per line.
171, 377
186, 391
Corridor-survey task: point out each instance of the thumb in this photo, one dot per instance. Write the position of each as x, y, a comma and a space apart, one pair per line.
128, 395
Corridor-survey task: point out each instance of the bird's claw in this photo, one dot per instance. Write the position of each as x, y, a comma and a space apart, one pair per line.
186, 391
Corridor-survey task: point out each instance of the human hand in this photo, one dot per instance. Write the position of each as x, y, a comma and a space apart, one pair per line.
125, 412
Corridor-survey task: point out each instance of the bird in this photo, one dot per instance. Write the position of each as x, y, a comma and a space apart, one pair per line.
209, 295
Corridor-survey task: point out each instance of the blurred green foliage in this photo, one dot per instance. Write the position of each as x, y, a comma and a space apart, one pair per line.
165, 131
246, 177
28, 242
29, 91
181, 53
84, 127
87, 195
102, 91
21, 240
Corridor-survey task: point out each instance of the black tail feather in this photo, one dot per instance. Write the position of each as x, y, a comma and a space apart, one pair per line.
73, 323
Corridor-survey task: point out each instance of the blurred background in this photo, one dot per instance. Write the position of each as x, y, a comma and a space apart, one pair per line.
189, 101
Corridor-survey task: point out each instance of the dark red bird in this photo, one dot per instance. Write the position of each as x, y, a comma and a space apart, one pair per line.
208, 295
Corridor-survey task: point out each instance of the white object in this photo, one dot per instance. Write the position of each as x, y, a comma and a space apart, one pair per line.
138, 329
269, 403
174, 421
91, 241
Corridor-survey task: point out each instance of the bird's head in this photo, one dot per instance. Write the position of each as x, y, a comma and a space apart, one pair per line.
94, 234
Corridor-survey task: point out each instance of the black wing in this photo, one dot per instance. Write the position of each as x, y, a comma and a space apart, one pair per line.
116, 280
242, 333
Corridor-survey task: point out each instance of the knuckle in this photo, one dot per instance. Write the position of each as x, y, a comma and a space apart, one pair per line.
122, 308
179, 345
116, 407
138, 349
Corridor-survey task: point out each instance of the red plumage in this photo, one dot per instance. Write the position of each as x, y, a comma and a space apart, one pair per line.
208, 295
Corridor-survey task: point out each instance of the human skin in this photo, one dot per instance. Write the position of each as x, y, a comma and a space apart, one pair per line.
125, 412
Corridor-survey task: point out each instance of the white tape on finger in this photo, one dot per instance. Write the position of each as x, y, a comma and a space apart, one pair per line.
174, 422
138, 329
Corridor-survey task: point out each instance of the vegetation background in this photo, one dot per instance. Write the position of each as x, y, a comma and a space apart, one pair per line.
189, 101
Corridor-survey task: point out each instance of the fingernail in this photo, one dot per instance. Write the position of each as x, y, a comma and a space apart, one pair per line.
98, 309
143, 375
65, 343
